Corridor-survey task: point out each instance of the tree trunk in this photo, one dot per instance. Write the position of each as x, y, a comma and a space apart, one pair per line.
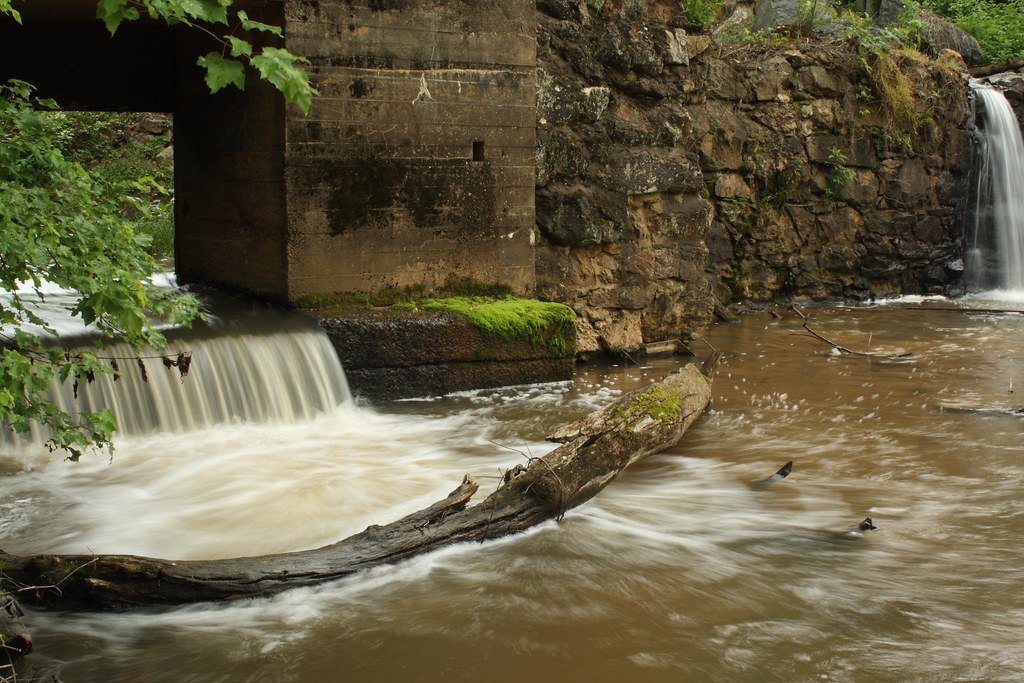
593, 452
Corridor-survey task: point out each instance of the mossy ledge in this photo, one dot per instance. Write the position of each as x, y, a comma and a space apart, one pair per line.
438, 346
546, 325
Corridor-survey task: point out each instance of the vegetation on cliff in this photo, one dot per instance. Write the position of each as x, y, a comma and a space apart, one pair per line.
128, 154
998, 25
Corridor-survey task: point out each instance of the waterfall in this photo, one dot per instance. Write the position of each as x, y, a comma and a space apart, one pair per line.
251, 363
995, 258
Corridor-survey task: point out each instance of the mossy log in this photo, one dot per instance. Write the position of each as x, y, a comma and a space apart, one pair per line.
592, 453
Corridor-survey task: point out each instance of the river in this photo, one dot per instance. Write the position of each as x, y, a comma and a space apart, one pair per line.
678, 571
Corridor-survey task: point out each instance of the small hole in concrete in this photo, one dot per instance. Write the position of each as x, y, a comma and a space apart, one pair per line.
478, 150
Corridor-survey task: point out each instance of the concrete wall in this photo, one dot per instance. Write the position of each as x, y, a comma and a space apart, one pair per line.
415, 166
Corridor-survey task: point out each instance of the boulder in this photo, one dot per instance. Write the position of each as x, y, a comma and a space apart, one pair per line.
796, 16
937, 35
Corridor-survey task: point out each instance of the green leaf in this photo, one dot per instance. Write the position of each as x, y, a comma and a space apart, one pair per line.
215, 11
239, 47
61, 224
113, 12
250, 25
222, 72
5, 8
186, 11
278, 67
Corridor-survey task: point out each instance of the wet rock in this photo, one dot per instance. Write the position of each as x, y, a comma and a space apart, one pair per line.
580, 216
673, 46
796, 16
649, 171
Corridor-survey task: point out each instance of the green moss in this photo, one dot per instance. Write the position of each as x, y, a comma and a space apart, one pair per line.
736, 280
489, 308
389, 296
402, 298
545, 324
473, 288
660, 403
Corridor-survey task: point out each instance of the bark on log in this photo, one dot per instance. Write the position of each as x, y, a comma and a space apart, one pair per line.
993, 69
593, 452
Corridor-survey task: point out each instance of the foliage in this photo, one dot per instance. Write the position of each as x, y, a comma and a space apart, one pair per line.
110, 146
998, 25
226, 65
59, 224
789, 181
838, 172
700, 13
62, 225
878, 50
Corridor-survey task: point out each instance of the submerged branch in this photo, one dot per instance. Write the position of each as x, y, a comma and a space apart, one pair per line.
593, 451
843, 349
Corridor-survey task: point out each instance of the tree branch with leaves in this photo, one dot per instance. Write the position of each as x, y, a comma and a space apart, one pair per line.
226, 65
61, 225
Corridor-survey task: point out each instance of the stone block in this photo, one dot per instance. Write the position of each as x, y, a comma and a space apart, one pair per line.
389, 354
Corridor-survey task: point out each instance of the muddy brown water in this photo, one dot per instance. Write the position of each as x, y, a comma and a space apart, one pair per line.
678, 571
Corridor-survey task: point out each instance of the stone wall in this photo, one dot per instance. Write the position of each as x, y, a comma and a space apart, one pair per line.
415, 164
678, 171
392, 354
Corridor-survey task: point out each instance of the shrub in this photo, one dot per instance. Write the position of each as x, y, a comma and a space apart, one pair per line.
998, 25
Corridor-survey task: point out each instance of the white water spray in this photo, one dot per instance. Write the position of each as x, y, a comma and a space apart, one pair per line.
996, 256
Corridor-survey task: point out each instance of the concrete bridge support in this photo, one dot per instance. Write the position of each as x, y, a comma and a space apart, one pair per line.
415, 165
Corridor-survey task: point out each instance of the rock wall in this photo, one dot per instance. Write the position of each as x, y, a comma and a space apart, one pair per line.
677, 171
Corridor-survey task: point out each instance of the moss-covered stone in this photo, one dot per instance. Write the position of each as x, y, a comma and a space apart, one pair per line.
544, 324
436, 346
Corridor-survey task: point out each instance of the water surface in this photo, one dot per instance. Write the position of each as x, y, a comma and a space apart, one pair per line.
678, 571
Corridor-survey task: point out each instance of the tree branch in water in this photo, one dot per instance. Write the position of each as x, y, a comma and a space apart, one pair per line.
843, 349
593, 451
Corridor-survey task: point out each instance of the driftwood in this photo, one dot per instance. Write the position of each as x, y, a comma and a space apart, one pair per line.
15, 643
1016, 411
593, 452
954, 309
844, 349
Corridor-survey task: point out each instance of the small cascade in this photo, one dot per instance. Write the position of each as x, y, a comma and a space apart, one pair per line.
282, 373
258, 366
995, 258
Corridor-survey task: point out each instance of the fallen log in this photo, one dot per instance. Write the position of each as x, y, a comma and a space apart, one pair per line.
993, 69
592, 453
1016, 411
